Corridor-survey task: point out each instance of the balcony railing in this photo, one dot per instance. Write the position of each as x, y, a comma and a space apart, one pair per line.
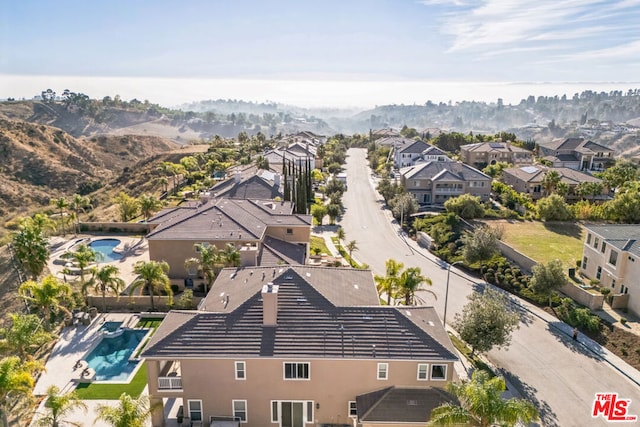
449, 190
169, 383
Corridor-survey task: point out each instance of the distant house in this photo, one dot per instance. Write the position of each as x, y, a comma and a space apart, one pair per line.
249, 182
417, 152
300, 346
579, 154
482, 154
528, 180
266, 232
611, 255
296, 153
436, 182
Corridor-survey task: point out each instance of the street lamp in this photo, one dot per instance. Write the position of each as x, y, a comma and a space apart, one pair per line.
446, 294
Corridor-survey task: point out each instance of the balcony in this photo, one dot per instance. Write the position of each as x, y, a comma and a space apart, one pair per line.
170, 383
449, 190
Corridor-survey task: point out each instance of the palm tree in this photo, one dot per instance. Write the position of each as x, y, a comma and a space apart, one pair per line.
210, 261
550, 181
30, 248
41, 222
481, 405
106, 279
341, 234
59, 406
410, 282
389, 284
47, 296
83, 257
352, 246
61, 204
231, 256
149, 204
130, 412
79, 204
164, 183
153, 277
16, 378
25, 335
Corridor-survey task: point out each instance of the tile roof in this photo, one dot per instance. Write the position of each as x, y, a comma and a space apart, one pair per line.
493, 146
432, 169
625, 237
320, 315
287, 252
536, 173
415, 147
577, 144
401, 404
226, 219
254, 187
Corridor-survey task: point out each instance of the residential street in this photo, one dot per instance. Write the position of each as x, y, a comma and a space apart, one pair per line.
546, 366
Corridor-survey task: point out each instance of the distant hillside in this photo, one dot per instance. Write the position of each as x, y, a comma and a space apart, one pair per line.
40, 162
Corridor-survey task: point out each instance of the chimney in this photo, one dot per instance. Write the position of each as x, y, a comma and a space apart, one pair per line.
276, 180
270, 304
238, 177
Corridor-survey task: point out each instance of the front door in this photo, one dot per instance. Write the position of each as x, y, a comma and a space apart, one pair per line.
292, 414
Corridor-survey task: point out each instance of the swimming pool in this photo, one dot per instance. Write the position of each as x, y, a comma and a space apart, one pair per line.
105, 247
110, 358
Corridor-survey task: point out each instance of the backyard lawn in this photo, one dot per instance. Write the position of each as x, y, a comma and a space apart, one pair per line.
544, 242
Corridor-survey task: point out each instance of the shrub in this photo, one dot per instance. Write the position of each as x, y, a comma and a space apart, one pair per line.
623, 320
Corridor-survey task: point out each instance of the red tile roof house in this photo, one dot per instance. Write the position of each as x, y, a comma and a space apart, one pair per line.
300, 345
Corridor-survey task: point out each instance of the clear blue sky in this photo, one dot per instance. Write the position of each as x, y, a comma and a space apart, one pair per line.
389, 40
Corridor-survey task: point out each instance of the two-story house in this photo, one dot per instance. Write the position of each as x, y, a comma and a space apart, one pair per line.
407, 154
482, 154
433, 183
265, 232
529, 180
611, 254
299, 346
579, 154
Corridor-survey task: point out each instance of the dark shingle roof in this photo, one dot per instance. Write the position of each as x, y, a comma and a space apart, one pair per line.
318, 316
416, 147
433, 169
401, 404
625, 237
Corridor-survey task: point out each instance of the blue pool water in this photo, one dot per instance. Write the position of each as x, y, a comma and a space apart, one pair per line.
110, 358
110, 326
105, 247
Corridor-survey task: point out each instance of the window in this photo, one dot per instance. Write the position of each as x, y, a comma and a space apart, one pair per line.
416, 183
296, 371
240, 410
584, 263
195, 409
423, 372
353, 410
596, 242
241, 371
604, 247
598, 272
289, 230
383, 371
588, 238
438, 372
613, 257
613, 284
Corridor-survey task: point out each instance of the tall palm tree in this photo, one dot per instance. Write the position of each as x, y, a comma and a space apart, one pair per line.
149, 204
61, 204
389, 284
231, 256
59, 406
153, 277
210, 262
130, 412
83, 257
79, 204
41, 222
410, 282
31, 249
481, 405
25, 335
16, 379
47, 296
352, 246
106, 279
341, 234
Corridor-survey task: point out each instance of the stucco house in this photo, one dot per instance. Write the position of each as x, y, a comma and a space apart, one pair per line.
299, 345
578, 153
528, 180
435, 182
611, 254
266, 232
417, 152
482, 154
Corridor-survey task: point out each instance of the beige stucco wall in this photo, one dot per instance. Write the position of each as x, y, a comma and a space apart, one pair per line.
299, 234
332, 384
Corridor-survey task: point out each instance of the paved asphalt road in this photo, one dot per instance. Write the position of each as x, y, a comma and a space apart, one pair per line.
544, 364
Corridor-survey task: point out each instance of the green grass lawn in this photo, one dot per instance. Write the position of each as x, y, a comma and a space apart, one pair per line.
318, 242
91, 391
545, 242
